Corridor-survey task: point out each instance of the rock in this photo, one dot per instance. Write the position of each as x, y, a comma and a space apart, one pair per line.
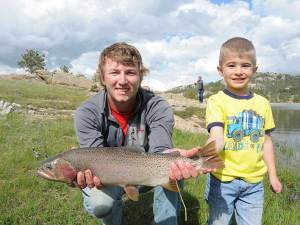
188, 125
44, 75
62, 78
71, 80
6, 107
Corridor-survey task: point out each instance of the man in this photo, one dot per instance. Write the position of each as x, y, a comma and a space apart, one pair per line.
200, 89
125, 114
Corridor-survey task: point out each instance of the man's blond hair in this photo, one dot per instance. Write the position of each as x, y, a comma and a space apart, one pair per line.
124, 54
239, 45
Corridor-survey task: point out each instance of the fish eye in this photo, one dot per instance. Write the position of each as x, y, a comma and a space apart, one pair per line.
48, 166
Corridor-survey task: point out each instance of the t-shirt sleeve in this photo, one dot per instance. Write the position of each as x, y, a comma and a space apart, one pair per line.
269, 120
214, 113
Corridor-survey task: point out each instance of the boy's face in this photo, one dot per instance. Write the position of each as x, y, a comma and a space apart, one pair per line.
237, 70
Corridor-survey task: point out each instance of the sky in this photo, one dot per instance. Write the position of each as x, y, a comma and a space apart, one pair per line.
178, 39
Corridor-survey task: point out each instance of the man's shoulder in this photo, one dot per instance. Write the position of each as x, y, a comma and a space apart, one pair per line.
94, 103
149, 97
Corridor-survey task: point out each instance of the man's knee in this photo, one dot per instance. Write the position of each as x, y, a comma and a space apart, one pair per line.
100, 203
102, 210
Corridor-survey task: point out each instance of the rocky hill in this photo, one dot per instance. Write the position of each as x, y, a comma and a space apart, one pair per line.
276, 87
56, 78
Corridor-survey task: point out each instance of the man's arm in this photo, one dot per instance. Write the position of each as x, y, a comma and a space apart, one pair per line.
88, 135
269, 158
160, 120
87, 122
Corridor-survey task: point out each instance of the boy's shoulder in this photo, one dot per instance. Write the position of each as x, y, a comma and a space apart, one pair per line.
219, 94
260, 98
218, 98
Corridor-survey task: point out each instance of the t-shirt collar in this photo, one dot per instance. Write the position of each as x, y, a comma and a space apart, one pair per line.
227, 92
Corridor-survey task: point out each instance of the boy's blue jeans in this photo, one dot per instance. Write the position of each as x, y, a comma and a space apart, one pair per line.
242, 198
106, 204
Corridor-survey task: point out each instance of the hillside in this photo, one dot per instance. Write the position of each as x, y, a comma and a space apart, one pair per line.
39, 99
276, 87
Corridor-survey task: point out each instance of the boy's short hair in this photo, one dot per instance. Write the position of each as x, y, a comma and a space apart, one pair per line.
124, 54
238, 45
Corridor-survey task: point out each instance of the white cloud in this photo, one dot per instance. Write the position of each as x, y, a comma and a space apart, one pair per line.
85, 64
178, 41
6, 70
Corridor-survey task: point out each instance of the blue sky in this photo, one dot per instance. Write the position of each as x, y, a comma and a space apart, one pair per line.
178, 41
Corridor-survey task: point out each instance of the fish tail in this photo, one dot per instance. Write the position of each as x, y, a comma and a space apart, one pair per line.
210, 156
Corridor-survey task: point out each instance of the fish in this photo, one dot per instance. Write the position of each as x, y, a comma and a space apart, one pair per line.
127, 166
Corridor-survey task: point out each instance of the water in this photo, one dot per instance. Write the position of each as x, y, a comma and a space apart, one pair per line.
286, 137
287, 120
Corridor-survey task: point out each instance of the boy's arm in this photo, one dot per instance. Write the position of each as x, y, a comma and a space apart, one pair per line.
217, 133
269, 158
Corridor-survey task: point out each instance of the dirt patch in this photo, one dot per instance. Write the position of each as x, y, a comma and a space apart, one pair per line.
180, 103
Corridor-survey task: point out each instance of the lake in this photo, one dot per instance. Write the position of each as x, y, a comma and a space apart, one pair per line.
286, 136
287, 121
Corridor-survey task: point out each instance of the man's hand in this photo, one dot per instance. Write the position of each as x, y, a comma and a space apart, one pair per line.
184, 170
86, 178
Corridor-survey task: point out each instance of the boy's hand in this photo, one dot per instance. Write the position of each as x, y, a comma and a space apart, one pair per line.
275, 184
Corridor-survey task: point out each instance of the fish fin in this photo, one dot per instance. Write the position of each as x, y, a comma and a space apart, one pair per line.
171, 186
132, 193
211, 158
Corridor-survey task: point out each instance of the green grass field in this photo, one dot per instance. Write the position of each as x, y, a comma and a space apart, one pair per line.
28, 199
41, 95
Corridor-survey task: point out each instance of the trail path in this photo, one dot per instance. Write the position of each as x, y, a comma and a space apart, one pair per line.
178, 102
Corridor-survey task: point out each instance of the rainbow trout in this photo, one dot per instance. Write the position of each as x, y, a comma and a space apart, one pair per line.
124, 166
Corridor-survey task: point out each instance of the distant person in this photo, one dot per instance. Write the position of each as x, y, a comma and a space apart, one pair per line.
241, 122
200, 89
124, 114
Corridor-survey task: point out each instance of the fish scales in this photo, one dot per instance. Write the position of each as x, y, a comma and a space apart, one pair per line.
119, 166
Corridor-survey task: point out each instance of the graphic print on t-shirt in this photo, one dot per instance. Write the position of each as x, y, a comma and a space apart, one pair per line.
245, 124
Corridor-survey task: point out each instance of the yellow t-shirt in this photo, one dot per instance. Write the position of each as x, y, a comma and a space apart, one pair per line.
245, 120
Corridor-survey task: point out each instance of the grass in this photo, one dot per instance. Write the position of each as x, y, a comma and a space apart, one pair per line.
27, 199
190, 111
41, 95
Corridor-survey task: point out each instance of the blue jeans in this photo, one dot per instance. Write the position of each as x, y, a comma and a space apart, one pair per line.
200, 96
242, 198
106, 204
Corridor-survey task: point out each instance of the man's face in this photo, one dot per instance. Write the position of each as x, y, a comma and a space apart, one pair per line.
237, 70
122, 83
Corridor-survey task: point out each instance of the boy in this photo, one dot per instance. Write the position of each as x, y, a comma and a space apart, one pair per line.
240, 122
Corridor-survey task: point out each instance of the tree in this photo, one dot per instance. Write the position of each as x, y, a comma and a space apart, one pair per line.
65, 69
32, 60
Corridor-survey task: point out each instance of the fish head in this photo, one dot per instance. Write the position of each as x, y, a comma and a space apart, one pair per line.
58, 169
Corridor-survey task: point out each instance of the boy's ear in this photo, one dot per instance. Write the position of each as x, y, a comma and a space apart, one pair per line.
219, 68
255, 69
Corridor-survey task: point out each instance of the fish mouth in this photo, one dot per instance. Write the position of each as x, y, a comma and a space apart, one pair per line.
46, 174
